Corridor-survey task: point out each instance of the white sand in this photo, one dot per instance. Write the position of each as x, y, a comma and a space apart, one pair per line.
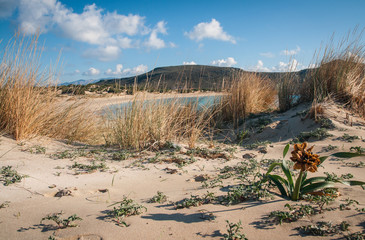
32, 199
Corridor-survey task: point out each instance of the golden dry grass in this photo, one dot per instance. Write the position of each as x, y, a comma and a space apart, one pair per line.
144, 124
248, 93
340, 73
28, 103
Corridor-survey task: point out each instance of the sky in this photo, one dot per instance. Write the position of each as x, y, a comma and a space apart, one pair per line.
105, 39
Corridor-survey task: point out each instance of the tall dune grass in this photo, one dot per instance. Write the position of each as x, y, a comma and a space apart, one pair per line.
288, 88
247, 93
28, 103
145, 124
340, 73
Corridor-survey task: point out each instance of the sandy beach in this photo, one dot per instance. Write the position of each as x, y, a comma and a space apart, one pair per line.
53, 185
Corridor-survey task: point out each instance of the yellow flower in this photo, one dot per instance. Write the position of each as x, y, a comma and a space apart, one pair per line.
304, 159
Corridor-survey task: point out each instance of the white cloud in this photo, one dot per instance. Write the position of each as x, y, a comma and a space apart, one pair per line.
290, 52
259, 67
267, 54
212, 30
228, 62
95, 26
119, 71
91, 72
189, 63
154, 41
136, 70
107, 53
292, 65
312, 65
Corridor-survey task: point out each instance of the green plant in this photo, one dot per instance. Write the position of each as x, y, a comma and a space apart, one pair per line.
257, 145
195, 201
324, 228
37, 149
9, 176
4, 204
329, 148
127, 207
72, 154
355, 236
260, 124
159, 198
326, 123
295, 213
320, 200
242, 135
349, 138
347, 204
318, 134
358, 149
121, 155
208, 154
234, 231
62, 222
84, 168
305, 161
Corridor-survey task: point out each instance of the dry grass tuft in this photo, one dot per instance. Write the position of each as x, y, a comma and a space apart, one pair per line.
28, 100
340, 73
151, 123
248, 93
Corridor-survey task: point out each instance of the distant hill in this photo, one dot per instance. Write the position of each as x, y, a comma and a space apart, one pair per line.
80, 82
190, 77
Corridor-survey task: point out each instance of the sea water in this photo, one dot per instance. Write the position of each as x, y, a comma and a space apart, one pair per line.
201, 102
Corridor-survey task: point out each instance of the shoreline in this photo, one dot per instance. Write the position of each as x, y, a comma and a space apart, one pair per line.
98, 103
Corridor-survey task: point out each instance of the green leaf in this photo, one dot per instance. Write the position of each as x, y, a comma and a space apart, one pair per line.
313, 180
278, 182
353, 183
289, 176
272, 166
347, 154
286, 149
322, 159
316, 186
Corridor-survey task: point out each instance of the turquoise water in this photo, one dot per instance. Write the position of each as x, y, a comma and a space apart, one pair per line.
202, 102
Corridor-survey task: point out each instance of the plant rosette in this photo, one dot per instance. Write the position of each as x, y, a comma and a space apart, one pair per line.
305, 161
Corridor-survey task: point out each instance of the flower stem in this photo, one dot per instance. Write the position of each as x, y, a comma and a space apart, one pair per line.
297, 187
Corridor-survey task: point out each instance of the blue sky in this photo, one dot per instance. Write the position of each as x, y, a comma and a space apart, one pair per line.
101, 39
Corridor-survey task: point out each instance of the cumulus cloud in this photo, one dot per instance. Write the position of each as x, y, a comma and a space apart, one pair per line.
290, 52
103, 30
292, 65
154, 41
136, 70
189, 63
267, 54
228, 62
210, 30
91, 72
259, 67
104, 53
119, 71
